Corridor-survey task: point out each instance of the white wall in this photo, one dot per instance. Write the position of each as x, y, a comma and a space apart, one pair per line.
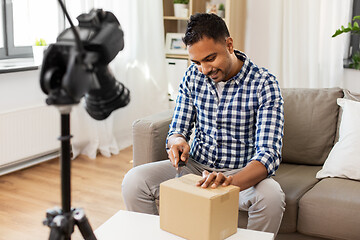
351, 80
28, 127
20, 90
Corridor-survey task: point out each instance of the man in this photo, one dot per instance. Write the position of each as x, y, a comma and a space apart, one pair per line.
237, 111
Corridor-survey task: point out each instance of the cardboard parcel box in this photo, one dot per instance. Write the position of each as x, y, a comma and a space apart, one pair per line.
192, 212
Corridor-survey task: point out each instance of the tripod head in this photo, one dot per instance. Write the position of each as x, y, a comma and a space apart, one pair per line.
76, 65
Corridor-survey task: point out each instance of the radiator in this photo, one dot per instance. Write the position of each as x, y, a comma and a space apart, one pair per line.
27, 136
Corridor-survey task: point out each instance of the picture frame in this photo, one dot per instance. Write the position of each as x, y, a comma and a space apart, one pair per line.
174, 44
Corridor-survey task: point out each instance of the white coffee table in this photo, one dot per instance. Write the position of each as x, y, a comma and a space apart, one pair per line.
139, 226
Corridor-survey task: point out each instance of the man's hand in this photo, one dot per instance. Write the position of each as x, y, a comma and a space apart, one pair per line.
214, 179
179, 150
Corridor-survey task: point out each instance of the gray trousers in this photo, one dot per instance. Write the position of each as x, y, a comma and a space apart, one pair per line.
265, 202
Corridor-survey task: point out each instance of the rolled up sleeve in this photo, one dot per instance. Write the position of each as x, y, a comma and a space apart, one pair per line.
184, 113
269, 126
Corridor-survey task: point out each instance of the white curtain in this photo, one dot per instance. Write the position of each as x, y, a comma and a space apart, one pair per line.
292, 38
140, 67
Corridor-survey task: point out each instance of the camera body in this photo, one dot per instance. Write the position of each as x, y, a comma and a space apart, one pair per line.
73, 69
100, 33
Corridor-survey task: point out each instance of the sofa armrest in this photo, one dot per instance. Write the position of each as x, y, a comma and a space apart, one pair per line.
149, 136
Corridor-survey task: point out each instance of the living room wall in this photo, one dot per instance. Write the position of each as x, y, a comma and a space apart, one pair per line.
295, 44
20, 90
351, 80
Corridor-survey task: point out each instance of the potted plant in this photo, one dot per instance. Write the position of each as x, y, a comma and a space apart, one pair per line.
354, 29
181, 8
38, 51
221, 10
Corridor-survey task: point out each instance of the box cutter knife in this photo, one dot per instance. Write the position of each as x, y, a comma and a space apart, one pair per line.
181, 164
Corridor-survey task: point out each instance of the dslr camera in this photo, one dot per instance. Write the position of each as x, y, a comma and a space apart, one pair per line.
77, 66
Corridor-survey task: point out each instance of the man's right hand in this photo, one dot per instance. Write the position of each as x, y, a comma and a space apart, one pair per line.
178, 149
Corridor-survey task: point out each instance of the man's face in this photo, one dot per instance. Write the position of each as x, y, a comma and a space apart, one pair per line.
212, 58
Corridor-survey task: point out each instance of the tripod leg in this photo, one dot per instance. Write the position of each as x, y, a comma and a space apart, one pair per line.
54, 225
65, 161
61, 225
56, 228
83, 224
62, 221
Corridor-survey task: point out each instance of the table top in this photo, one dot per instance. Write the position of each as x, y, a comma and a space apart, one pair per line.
139, 226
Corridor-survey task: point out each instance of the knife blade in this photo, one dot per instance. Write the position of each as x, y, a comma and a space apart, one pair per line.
181, 164
179, 169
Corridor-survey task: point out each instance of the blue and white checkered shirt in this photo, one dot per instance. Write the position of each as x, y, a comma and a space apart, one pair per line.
245, 124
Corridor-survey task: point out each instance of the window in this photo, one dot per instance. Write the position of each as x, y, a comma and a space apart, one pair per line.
354, 38
2, 50
24, 21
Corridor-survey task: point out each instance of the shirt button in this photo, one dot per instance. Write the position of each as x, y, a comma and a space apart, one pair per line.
218, 127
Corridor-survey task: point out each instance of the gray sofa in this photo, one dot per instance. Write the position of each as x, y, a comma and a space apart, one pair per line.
315, 209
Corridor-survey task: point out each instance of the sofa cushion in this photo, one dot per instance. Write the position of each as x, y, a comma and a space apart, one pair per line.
149, 136
331, 209
294, 180
310, 124
296, 236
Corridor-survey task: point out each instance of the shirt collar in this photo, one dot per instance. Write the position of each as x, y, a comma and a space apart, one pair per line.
238, 78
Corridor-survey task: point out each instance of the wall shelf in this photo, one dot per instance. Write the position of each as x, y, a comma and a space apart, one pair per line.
235, 18
175, 18
180, 56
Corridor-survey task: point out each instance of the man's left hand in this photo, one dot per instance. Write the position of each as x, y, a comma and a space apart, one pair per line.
214, 179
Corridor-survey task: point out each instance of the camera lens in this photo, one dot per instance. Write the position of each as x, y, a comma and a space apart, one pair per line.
110, 96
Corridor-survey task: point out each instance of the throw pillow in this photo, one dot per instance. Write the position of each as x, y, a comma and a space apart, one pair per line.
347, 95
344, 158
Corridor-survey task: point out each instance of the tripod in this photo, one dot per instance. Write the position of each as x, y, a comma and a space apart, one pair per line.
69, 72
62, 221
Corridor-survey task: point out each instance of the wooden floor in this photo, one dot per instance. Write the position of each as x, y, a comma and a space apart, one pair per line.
25, 195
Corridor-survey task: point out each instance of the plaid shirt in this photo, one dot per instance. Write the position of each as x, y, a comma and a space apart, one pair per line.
245, 124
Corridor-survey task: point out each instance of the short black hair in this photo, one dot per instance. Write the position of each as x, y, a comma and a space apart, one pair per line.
205, 24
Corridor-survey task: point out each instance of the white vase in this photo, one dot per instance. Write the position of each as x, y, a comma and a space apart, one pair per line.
181, 10
221, 13
38, 53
